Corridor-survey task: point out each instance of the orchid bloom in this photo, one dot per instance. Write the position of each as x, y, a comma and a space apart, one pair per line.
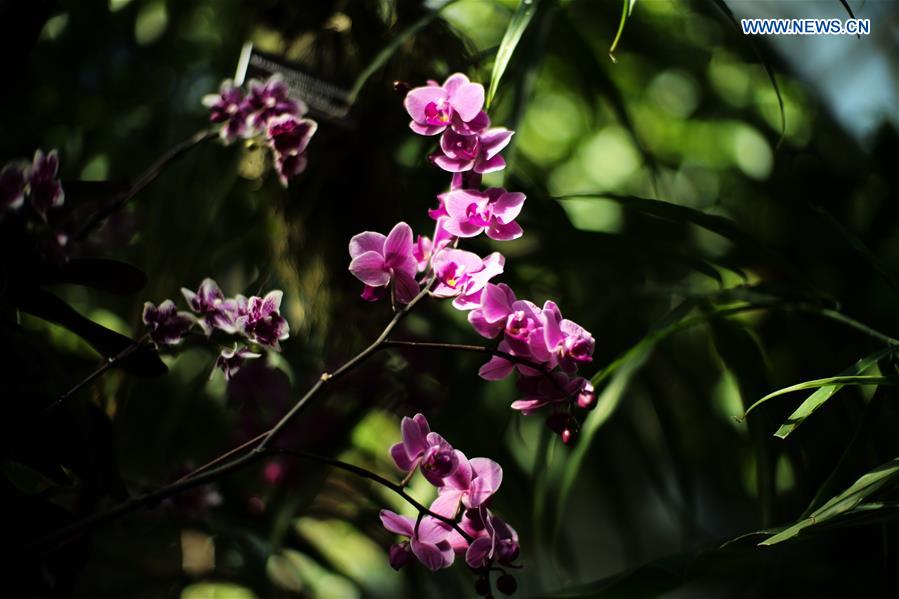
208, 303
425, 247
493, 211
543, 390
569, 342
228, 107
519, 320
13, 185
428, 541
270, 99
229, 361
262, 322
378, 260
45, 189
478, 152
420, 448
165, 324
463, 275
434, 107
493, 540
471, 484
289, 136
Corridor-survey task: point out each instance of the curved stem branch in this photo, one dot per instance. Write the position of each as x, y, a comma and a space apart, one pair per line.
216, 468
328, 378
362, 472
147, 499
479, 349
147, 177
218, 460
107, 364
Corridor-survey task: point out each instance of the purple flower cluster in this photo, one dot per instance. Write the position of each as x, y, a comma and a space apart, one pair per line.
464, 488
455, 110
255, 321
545, 348
38, 182
265, 110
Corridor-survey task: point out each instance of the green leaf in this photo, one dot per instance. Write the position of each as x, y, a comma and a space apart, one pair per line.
836, 381
722, 5
619, 374
43, 304
390, 49
626, 11
843, 503
572, 46
676, 213
520, 20
827, 387
98, 273
848, 8
859, 247
809, 405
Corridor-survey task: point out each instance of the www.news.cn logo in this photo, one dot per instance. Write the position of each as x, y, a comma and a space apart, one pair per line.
806, 26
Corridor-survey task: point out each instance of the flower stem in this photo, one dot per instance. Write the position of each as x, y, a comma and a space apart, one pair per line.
480, 349
362, 472
215, 468
147, 177
106, 365
328, 378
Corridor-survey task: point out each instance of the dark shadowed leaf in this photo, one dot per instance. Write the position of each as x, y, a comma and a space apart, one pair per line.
722, 5
845, 502
43, 304
520, 20
390, 49
826, 388
98, 273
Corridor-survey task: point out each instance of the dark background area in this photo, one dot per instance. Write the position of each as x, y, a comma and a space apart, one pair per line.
794, 227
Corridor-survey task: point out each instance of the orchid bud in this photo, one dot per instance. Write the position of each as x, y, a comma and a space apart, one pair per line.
506, 584
400, 555
401, 87
586, 399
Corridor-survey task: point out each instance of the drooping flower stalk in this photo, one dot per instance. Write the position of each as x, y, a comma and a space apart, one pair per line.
458, 521
255, 323
266, 111
533, 335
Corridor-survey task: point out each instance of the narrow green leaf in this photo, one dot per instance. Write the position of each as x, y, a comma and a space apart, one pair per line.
859, 247
520, 20
827, 389
848, 8
390, 49
722, 5
836, 381
98, 273
43, 304
626, 11
676, 213
619, 373
807, 407
843, 503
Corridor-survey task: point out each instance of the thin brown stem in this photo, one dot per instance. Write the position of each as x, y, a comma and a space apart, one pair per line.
222, 458
480, 349
204, 474
328, 378
106, 365
362, 472
147, 177
151, 498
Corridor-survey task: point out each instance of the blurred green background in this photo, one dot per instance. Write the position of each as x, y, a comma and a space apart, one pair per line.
663, 474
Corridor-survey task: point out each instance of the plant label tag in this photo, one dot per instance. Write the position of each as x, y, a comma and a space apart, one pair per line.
324, 99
